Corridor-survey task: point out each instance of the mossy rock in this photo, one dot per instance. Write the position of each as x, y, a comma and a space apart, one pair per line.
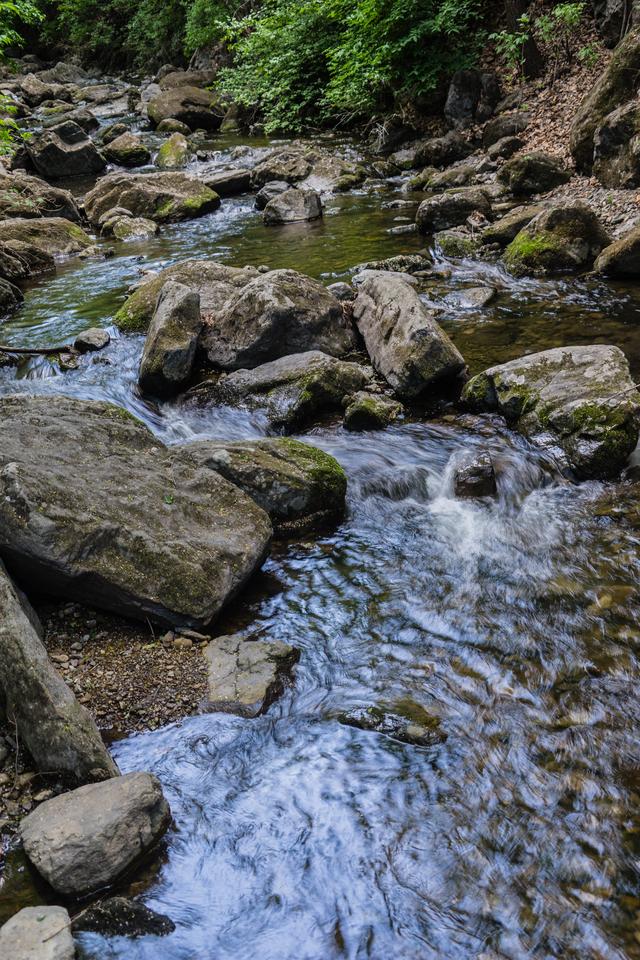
369, 411
558, 240
166, 197
174, 153
51, 235
457, 243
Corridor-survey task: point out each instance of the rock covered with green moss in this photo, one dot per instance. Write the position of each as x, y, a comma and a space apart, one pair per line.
506, 229
54, 236
95, 506
127, 150
370, 411
164, 197
558, 240
174, 153
24, 196
170, 348
579, 401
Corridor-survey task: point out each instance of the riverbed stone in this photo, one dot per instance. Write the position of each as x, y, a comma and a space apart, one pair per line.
38, 933
127, 150
20, 261
166, 197
93, 506
122, 917
506, 229
95, 338
298, 485
370, 411
441, 151
579, 401
174, 153
270, 191
504, 125
505, 148
65, 151
622, 257
196, 108
289, 165
452, 208
51, 235
560, 239
22, 195
171, 125
425, 733
130, 228
246, 675
405, 343
213, 281
476, 478
87, 839
277, 313
293, 206
58, 732
171, 344
471, 298
231, 182
531, 173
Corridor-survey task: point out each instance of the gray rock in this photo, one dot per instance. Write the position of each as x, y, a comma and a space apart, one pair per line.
471, 298
293, 206
616, 148
185, 78
451, 209
65, 151
288, 166
441, 151
424, 734
299, 486
270, 190
174, 154
475, 479
622, 257
172, 340
196, 108
370, 411
406, 263
276, 314
504, 148
127, 150
38, 933
85, 840
52, 236
121, 917
93, 505
291, 390
613, 18
95, 338
20, 261
580, 401
506, 229
402, 337
505, 125
560, 239
58, 732
130, 228
112, 132
531, 173
342, 291
35, 90
228, 183
164, 197
24, 196
171, 125
246, 676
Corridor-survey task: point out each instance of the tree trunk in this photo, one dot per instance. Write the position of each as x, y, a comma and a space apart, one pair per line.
532, 58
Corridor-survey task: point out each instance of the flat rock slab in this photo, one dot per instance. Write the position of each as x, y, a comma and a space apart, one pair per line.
87, 839
37, 933
96, 509
51, 235
246, 676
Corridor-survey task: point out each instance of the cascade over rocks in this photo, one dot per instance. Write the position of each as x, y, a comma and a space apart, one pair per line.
85, 840
580, 401
163, 197
531, 173
51, 235
95, 508
198, 109
559, 239
65, 151
275, 314
293, 206
58, 732
452, 208
22, 195
170, 347
402, 337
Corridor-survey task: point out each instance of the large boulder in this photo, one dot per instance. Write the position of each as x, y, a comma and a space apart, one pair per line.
404, 341
441, 151
24, 196
57, 731
214, 282
293, 206
198, 109
230, 182
530, 173
51, 235
278, 313
622, 257
613, 18
85, 840
471, 98
580, 401
616, 85
35, 90
186, 78
21, 261
558, 240
269, 192
65, 151
289, 165
505, 125
506, 229
92, 507
164, 197
174, 153
452, 208
299, 486
245, 675
172, 340
127, 150
38, 933
616, 148
291, 391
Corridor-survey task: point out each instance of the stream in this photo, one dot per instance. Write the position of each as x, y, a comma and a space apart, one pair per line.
517, 833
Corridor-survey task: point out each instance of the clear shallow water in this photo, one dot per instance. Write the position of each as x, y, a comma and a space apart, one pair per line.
513, 623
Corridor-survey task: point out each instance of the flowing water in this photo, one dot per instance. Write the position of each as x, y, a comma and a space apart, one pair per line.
516, 834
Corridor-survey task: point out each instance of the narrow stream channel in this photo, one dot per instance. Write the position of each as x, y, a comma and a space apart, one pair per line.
514, 624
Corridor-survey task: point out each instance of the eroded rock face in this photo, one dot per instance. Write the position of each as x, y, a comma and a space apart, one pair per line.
246, 676
58, 732
25, 196
404, 341
299, 486
85, 840
127, 150
580, 401
163, 197
616, 148
559, 239
622, 257
93, 506
451, 209
190, 105
531, 173
172, 340
277, 313
65, 151
293, 206
38, 933
52, 236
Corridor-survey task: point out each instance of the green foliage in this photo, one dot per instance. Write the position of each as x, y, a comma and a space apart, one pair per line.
511, 46
556, 31
14, 14
589, 55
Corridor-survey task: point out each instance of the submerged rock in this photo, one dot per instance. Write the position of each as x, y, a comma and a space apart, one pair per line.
531, 173
57, 731
402, 337
622, 257
401, 728
475, 479
65, 151
121, 917
471, 298
93, 506
370, 411
38, 933
275, 314
163, 197
87, 839
196, 108
245, 675
579, 400
50, 235
559, 239
127, 150
293, 206
172, 340
451, 209
24, 196
299, 486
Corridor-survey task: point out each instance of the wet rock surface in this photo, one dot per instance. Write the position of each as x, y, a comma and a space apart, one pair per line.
165, 197
121, 917
245, 675
170, 348
38, 933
